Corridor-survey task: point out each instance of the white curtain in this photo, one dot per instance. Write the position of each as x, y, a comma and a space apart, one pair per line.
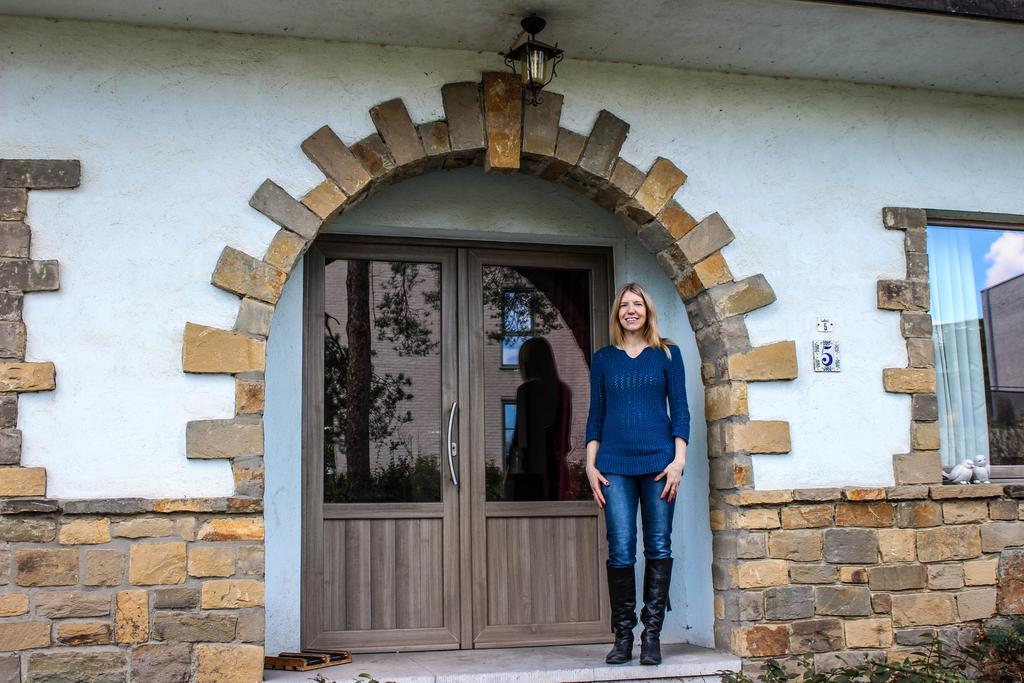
960, 381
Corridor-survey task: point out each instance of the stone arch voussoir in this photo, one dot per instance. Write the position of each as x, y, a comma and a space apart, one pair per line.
486, 124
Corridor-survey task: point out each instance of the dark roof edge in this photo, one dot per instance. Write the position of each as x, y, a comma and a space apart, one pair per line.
991, 10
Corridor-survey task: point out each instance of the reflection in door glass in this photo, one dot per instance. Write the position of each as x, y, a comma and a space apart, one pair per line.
537, 343
382, 382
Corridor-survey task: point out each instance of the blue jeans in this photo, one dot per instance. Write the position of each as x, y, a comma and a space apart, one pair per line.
622, 498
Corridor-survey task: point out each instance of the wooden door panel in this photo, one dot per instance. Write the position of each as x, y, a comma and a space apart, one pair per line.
383, 574
542, 570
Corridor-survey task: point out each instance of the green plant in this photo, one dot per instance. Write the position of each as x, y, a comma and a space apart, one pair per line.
999, 654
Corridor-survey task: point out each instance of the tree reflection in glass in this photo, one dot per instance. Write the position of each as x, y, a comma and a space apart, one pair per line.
381, 340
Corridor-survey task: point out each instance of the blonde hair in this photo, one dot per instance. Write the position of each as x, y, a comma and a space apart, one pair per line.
650, 334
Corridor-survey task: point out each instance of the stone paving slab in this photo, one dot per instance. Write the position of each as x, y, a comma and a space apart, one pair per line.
535, 664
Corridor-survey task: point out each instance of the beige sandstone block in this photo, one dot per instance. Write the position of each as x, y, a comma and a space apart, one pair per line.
284, 250
103, 567
924, 436
948, 543
922, 609
661, 183
704, 275
228, 664
864, 494
24, 635
802, 545
85, 532
765, 363
250, 396
897, 545
760, 641
211, 350
853, 575
144, 527
978, 603
945, 576
84, 633
909, 380
156, 563
211, 561
806, 516
27, 377
870, 514
503, 112
767, 497
232, 593
325, 200
232, 529
760, 573
725, 400
46, 567
980, 572
13, 604
70, 604
186, 528
131, 617
964, 511
758, 518
874, 633
758, 436
22, 481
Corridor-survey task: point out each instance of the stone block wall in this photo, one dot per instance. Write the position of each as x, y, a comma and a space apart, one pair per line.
844, 575
164, 590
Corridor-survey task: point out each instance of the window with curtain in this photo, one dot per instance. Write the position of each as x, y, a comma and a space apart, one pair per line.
977, 308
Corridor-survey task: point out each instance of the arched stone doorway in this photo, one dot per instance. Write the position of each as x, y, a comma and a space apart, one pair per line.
487, 124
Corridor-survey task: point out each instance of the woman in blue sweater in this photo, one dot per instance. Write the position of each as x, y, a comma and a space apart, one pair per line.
637, 432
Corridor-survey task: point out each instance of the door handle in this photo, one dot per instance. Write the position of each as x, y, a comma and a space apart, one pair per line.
451, 445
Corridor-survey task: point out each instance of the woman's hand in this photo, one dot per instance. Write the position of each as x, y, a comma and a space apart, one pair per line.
673, 475
596, 479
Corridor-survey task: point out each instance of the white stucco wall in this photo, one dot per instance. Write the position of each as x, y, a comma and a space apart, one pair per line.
467, 204
175, 130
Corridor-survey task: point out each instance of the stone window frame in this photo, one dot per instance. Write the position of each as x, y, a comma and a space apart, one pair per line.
911, 298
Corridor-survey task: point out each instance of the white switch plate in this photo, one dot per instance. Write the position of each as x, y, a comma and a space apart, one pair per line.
826, 356
826, 325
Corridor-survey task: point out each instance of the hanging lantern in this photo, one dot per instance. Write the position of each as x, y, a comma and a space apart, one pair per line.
532, 60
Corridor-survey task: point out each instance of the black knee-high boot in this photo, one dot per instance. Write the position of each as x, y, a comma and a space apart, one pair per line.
622, 592
657, 575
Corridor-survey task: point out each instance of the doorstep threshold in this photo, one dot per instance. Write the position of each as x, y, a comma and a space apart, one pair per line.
552, 664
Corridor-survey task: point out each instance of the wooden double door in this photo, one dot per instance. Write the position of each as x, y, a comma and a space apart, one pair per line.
445, 503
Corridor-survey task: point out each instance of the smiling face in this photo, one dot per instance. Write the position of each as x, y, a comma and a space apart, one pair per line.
632, 312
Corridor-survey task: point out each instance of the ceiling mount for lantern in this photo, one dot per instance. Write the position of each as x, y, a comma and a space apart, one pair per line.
532, 60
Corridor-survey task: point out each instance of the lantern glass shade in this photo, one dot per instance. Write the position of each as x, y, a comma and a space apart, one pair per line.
536, 67
534, 62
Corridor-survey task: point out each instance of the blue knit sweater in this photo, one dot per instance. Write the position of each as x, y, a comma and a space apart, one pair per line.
628, 412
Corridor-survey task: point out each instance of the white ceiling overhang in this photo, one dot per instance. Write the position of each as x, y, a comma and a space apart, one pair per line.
792, 38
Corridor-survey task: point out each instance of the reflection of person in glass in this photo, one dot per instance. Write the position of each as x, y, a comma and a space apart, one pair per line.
540, 443
637, 432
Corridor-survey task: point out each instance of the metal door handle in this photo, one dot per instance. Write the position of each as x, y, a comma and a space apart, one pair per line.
451, 444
